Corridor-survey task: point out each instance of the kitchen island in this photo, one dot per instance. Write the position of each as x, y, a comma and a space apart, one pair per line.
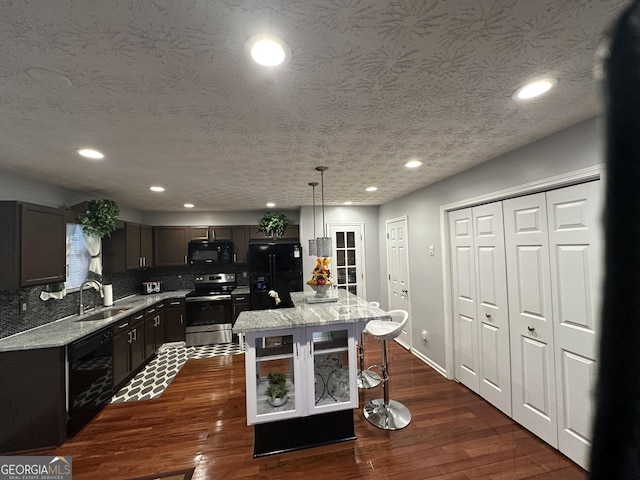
313, 346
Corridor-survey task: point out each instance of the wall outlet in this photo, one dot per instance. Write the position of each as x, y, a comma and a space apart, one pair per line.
432, 251
425, 335
24, 306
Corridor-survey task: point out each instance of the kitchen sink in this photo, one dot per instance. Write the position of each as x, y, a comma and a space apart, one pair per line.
102, 314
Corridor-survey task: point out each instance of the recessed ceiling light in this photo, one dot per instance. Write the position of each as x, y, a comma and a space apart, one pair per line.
271, 204
89, 153
156, 189
535, 89
371, 189
413, 164
189, 205
268, 50
348, 203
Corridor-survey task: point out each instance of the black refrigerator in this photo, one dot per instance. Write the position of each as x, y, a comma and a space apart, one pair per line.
274, 265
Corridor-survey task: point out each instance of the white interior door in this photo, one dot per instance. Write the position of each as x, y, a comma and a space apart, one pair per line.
574, 235
398, 268
530, 316
494, 357
465, 326
348, 257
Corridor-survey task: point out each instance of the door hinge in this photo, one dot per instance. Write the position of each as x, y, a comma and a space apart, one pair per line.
389, 276
387, 236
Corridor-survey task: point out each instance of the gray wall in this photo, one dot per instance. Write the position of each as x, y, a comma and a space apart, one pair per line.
212, 218
366, 215
569, 150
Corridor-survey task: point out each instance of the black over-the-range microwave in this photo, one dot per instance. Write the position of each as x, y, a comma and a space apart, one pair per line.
210, 251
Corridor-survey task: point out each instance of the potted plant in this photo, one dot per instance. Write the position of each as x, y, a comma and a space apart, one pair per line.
98, 218
277, 391
273, 224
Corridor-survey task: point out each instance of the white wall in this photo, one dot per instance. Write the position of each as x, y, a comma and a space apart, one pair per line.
366, 215
572, 149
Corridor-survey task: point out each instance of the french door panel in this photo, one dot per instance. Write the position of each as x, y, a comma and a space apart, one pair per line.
530, 313
492, 306
465, 326
574, 236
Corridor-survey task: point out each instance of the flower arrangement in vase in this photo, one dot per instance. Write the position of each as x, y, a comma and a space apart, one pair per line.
321, 277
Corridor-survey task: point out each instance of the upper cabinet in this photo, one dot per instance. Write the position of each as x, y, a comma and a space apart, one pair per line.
172, 245
210, 233
291, 232
32, 245
130, 247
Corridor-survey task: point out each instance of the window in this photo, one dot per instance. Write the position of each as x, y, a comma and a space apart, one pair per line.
78, 257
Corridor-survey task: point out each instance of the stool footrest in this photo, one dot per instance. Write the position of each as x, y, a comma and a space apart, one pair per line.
368, 379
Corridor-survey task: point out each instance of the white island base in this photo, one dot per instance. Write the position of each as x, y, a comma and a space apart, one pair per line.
313, 345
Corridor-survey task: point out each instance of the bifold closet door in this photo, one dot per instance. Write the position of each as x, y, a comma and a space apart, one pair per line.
465, 327
574, 222
481, 322
492, 306
530, 316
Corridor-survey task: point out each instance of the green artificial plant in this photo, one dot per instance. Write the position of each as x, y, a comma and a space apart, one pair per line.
273, 224
277, 385
99, 217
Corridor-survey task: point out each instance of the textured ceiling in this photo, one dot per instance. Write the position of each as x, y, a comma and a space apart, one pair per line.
165, 89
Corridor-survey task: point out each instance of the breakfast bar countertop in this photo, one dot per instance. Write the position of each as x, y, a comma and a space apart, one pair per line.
347, 309
69, 329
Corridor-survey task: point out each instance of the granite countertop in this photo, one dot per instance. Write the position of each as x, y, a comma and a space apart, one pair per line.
241, 290
347, 309
69, 329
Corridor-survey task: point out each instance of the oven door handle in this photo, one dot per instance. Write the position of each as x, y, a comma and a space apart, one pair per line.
213, 298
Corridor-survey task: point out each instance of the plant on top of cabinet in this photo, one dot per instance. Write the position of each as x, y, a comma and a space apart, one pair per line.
99, 217
273, 224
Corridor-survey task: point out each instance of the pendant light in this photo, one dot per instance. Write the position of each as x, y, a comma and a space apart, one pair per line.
313, 248
323, 244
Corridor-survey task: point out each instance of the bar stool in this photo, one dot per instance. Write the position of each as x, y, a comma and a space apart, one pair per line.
382, 412
366, 378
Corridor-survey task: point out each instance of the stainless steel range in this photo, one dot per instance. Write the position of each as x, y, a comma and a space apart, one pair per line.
209, 313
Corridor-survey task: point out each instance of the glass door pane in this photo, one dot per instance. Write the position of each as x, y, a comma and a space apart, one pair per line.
331, 367
275, 374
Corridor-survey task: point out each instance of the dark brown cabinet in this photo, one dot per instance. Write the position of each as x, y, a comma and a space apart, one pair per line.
32, 245
291, 232
220, 233
130, 247
32, 404
174, 320
128, 348
154, 322
171, 244
240, 239
239, 303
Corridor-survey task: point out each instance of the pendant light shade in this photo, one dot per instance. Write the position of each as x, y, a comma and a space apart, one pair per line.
313, 248
323, 244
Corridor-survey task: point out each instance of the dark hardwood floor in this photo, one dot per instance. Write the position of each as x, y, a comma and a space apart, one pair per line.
200, 421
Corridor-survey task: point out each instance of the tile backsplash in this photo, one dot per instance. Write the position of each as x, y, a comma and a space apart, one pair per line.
14, 319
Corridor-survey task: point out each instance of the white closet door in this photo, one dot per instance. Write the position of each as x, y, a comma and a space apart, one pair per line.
492, 306
531, 327
574, 215
465, 327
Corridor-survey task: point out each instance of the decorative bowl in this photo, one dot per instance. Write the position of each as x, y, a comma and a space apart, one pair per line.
321, 290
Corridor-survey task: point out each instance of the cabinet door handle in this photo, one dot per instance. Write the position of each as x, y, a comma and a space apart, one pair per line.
124, 325
238, 299
185, 259
181, 319
135, 334
174, 303
129, 339
139, 317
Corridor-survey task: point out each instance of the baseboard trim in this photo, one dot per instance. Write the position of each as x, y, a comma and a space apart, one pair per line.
430, 362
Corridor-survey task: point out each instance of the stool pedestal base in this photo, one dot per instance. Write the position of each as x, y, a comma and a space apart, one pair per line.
393, 416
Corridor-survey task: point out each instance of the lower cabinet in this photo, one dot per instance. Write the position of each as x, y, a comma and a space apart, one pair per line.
174, 320
128, 348
239, 303
318, 366
154, 335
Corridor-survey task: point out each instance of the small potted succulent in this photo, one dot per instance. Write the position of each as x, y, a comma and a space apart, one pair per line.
277, 391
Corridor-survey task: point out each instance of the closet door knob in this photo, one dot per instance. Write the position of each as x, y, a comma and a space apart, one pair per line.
531, 329
488, 315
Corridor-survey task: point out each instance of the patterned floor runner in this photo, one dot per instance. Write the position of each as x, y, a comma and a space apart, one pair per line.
151, 381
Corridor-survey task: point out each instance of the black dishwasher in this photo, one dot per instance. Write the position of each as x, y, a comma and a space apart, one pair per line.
90, 377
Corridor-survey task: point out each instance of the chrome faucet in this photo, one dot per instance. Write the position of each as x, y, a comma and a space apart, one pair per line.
81, 306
